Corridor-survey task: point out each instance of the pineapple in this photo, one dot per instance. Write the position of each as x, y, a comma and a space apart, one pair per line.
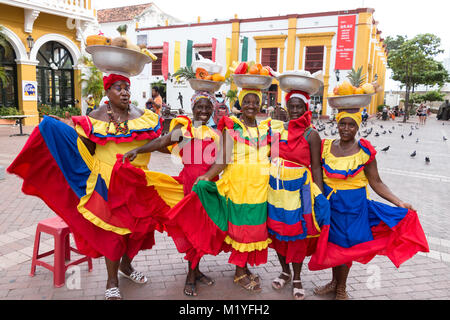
356, 77
186, 73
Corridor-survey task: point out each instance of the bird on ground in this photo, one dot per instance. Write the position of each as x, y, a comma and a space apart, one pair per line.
390, 131
444, 138
384, 132
386, 149
410, 134
325, 133
413, 154
377, 134
393, 128
417, 141
427, 160
403, 137
381, 126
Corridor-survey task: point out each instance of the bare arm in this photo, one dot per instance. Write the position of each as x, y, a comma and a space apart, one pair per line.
158, 144
371, 171
223, 158
315, 145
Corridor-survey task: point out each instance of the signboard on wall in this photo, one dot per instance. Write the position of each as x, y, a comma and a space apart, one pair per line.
345, 42
29, 90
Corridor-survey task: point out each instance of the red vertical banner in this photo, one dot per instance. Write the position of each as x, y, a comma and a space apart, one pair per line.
214, 46
165, 61
345, 42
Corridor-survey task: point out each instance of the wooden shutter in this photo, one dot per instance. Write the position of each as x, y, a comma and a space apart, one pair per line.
157, 65
314, 59
269, 57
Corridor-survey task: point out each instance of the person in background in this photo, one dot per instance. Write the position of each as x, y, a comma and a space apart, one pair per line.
91, 104
220, 109
155, 102
237, 109
365, 115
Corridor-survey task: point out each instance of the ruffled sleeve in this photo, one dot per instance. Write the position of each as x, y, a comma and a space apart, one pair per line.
346, 167
147, 127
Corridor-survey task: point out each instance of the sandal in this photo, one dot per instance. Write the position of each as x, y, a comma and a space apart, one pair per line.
341, 294
135, 276
192, 287
299, 294
251, 286
279, 283
205, 279
113, 294
252, 276
326, 289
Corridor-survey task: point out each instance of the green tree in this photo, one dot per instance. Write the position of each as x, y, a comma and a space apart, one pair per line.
413, 63
93, 80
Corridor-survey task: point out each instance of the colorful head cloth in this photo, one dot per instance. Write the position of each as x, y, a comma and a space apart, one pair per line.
203, 95
108, 81
245, 92
301, 95
355, 116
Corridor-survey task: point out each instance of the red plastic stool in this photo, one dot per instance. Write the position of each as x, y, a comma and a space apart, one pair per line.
61, 232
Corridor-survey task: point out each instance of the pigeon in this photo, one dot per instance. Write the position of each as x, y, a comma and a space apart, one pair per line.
413, 154
377, 134
325, 133
403, 137
410, 134
386, 149
444, 138
390, 131
381, 127
417, 141
427, 160
393, 128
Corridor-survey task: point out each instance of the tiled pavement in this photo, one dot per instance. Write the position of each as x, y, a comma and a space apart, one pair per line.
426, 276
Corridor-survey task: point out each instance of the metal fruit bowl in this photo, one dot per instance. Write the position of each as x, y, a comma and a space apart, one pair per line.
289, 82
350, 102
205, 85
252, 81
122, 61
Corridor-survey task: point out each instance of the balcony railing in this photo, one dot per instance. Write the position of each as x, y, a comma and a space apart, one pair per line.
77, 9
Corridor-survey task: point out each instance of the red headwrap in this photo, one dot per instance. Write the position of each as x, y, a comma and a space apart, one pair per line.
301, 95
108, 81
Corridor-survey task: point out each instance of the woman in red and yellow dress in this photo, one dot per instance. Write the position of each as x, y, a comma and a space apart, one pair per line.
73, 171
196, 145
360, 228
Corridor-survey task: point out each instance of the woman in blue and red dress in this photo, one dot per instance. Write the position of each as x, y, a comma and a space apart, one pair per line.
296, 206
359, 228
71, 166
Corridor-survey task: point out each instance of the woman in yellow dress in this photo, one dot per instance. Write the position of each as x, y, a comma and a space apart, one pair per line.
231, 214
73, 172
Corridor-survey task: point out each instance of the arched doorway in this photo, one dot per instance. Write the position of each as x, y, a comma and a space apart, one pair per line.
54, 75
8, 87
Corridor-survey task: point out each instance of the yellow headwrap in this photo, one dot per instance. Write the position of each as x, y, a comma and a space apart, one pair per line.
245, 92
355, 116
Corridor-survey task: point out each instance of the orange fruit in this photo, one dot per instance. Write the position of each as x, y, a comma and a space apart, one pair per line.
201, 73
254, 69
209, 77
218, 77
264, 72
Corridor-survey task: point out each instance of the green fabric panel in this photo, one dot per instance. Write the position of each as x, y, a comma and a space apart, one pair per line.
189, 53
245, 49
214, 204
247, 214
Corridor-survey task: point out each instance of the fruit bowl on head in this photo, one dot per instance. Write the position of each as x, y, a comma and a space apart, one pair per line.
296, 80
208, 65
205, 85
122, 61
355, 101
252, 81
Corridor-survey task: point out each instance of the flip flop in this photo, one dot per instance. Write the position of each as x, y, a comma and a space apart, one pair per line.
135, 276
113, 293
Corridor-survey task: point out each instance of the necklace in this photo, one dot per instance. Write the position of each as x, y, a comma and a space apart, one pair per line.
121, 127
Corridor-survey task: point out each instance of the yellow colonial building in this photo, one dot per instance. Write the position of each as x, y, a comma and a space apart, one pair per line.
44, 39
333, 42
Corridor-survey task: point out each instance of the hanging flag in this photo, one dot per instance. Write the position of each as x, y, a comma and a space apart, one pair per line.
245, 49
176, 57
214, 46
165, 61
189, 53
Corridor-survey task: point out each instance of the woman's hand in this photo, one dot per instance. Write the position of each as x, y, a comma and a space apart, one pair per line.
131, 155
201, 178
406, 206
67, 121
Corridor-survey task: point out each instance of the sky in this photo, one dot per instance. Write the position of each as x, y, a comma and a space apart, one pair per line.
395, 17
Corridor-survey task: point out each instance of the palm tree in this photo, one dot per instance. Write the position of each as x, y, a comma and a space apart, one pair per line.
93, 80
4, 77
